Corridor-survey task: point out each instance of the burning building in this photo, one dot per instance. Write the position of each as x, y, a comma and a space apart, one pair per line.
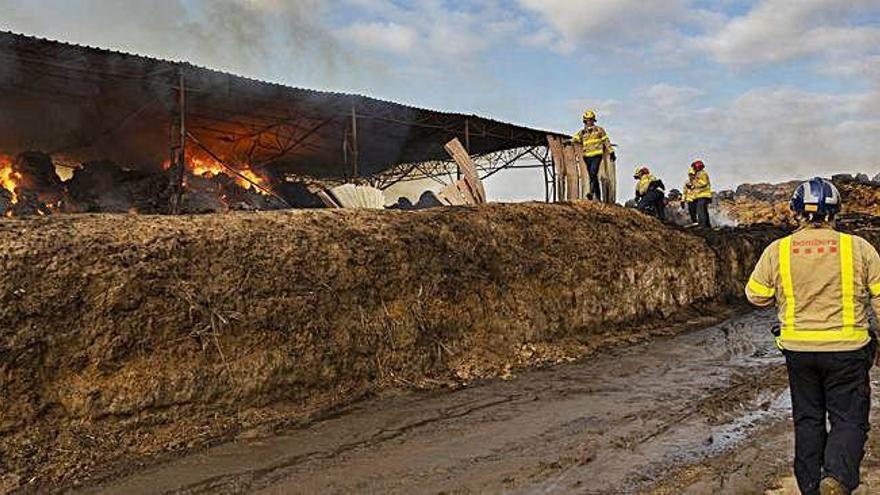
86, 129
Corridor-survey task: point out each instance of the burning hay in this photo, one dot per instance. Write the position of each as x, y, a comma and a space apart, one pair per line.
31, 185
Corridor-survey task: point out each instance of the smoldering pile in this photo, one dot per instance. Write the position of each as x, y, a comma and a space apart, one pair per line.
30, 184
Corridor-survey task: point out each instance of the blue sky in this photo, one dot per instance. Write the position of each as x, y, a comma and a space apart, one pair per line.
759, 89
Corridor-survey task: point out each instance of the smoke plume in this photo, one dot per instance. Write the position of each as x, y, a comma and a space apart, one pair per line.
267, 39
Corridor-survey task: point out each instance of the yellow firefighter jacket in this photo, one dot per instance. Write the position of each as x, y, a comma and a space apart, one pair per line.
687, 194
822, 282
643, 184
593, 140
698, 185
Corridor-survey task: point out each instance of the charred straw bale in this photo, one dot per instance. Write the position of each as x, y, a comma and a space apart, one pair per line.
104, 186
38, 173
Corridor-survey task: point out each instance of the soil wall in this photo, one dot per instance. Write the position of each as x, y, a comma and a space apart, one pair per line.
125, 337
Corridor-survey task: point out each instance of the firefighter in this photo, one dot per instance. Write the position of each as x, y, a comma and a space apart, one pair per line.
650, 193
687, 200
822, 282
596, 146
699, 189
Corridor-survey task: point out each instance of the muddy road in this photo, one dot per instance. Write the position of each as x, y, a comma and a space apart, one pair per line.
702, 412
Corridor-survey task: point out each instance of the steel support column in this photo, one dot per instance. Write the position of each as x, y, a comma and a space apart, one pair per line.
354, 142
179, 160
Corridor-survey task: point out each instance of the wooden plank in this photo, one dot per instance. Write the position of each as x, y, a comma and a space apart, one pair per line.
585, 188
328, 201
449, 195
464, 188
558, 154
457, 193
571, 173
468, 169
608, 179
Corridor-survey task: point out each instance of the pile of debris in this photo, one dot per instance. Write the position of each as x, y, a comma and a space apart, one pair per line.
768, 203
31, 185
104, 186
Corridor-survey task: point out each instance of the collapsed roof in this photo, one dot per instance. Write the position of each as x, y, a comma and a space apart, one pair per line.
89, 103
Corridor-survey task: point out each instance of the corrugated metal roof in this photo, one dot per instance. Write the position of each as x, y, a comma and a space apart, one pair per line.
222, 108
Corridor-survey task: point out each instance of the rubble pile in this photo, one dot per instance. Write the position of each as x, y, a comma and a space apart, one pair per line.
104, 186
30, 185
760, 203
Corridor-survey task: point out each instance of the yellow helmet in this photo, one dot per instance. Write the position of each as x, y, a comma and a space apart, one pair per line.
589, 114
640, 171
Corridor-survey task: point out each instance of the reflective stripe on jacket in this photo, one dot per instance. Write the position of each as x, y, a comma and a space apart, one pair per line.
593, 140
699, 185
821, 281
644, 184
687, 195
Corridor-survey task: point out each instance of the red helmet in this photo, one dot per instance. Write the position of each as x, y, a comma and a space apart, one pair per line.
698, 165
640, 171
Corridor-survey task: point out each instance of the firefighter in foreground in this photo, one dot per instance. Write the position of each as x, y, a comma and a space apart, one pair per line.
650, 193
698, 194
596, 146
822, 282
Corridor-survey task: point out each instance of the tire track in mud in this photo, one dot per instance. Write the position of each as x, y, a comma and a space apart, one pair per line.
618, 422
380, 436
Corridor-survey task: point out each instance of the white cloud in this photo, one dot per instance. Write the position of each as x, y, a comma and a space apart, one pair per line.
387, 36
667, 97
577, 22
603, 108
773, 133
431, 31
844, 65
268, 39
782, 30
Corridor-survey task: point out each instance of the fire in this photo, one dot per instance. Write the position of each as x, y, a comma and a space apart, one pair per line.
204, 167
208, 167
9, 178
250, 174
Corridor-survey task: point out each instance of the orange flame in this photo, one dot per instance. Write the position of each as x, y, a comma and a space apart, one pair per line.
250, 174
208, 167
204, 167
8, 177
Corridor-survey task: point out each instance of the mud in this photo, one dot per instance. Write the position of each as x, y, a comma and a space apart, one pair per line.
763, 461
130, 338
616, 423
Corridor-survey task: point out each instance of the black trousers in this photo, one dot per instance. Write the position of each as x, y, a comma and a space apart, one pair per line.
593, 164
692, 211
836, 386
701, 206
653, 203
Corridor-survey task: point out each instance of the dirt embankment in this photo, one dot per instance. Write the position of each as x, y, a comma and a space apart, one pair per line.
128, 337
